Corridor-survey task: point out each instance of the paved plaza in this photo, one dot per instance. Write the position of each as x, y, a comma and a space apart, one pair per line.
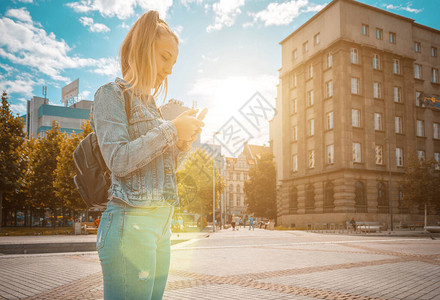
258, 264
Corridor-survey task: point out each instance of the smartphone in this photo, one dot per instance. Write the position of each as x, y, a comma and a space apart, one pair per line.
202, 114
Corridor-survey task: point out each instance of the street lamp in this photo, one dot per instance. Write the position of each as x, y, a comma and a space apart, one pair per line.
213, 181
388, 140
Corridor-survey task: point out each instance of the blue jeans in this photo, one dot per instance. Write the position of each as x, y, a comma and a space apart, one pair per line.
134, 249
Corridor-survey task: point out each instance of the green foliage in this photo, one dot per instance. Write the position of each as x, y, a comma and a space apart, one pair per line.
260, 189
421, 184
65, 189
11, 145
194, 183
43, 162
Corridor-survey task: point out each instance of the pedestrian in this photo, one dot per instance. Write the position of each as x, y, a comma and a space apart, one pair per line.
237, 222
245, 221
251, 223
233, 223
142, 151
353, 223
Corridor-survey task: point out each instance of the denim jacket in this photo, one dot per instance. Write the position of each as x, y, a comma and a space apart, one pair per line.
141, 153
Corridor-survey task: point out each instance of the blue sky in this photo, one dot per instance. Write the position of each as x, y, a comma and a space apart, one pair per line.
228, 50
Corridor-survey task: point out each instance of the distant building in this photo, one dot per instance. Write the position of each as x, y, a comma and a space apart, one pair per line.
40, 114
236, 172
349, 91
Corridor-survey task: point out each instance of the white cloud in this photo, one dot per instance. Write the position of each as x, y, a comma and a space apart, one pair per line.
276, 14
20, 14
122, 9
22, 86
407, 8
26, 1
93, 27
84, 95
108, 66
19, 108
186, 3
178, 31
123, 25
226, 11
224, 97
28, 44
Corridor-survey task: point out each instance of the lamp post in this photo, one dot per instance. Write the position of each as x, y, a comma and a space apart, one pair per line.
213, 181
391, 188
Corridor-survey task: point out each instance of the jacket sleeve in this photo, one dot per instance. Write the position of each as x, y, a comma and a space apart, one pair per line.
179, 156
122, 155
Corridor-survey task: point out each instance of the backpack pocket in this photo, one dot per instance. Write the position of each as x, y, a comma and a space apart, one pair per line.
103, 229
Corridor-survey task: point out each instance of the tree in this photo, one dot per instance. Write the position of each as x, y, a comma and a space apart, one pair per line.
421, 184
11, 145
194, 183
65, 188
43, 162
260, 189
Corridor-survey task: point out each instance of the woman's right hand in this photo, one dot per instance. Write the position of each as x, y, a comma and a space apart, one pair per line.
187, 125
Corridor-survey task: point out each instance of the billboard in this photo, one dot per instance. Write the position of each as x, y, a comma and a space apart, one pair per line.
69, 91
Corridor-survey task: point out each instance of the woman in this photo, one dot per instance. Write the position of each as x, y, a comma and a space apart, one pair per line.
142, 151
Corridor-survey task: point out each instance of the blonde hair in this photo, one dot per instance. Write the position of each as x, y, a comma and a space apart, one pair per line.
138, 54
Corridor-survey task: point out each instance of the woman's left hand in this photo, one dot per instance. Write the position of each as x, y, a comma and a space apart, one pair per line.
186, 145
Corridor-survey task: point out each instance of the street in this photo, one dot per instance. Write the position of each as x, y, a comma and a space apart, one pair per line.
258, 264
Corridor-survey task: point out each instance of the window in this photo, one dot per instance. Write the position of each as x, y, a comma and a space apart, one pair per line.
434, 75
311, 127
376, 61
310, 71
295, 54
329, 198
360, 198
397, 94
419, 101
377, 90
392, 38
329, 60
317, 39
379, 155
329, 89
398, 127
311, 158
293, 201
310, 97
399, 157
421, 155
417, 71
417, 47
433, 51
295, 133
420, 128
396, 66
295, 163
294, 108
330, 154
437, 159
436, 131
379, 33
355, 86
365, 29
310, 198
357, 155
378, 121
382, 199
353, 55
356, 118
330, 120
306, 47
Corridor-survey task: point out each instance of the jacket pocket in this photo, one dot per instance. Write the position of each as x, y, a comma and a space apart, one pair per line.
103, 229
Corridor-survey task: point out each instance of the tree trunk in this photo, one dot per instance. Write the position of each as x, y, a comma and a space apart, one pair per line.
15, 218
30, 215
426, 215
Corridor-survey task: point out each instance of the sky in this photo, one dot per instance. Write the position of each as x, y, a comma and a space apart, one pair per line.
229, 49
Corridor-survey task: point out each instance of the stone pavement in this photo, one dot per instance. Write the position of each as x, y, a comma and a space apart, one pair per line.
258, 264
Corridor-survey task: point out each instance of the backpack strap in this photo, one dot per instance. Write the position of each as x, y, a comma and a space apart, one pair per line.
127, 102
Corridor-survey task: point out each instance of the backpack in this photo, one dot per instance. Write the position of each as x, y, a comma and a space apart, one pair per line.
92, 177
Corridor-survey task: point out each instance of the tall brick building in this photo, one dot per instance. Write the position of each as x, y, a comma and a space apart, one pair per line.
348, 93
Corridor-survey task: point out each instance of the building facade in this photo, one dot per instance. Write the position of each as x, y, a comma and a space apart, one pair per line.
348, 94
40, 115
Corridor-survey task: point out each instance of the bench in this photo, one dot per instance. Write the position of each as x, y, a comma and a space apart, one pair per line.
433, 229
415, 225
87, 227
